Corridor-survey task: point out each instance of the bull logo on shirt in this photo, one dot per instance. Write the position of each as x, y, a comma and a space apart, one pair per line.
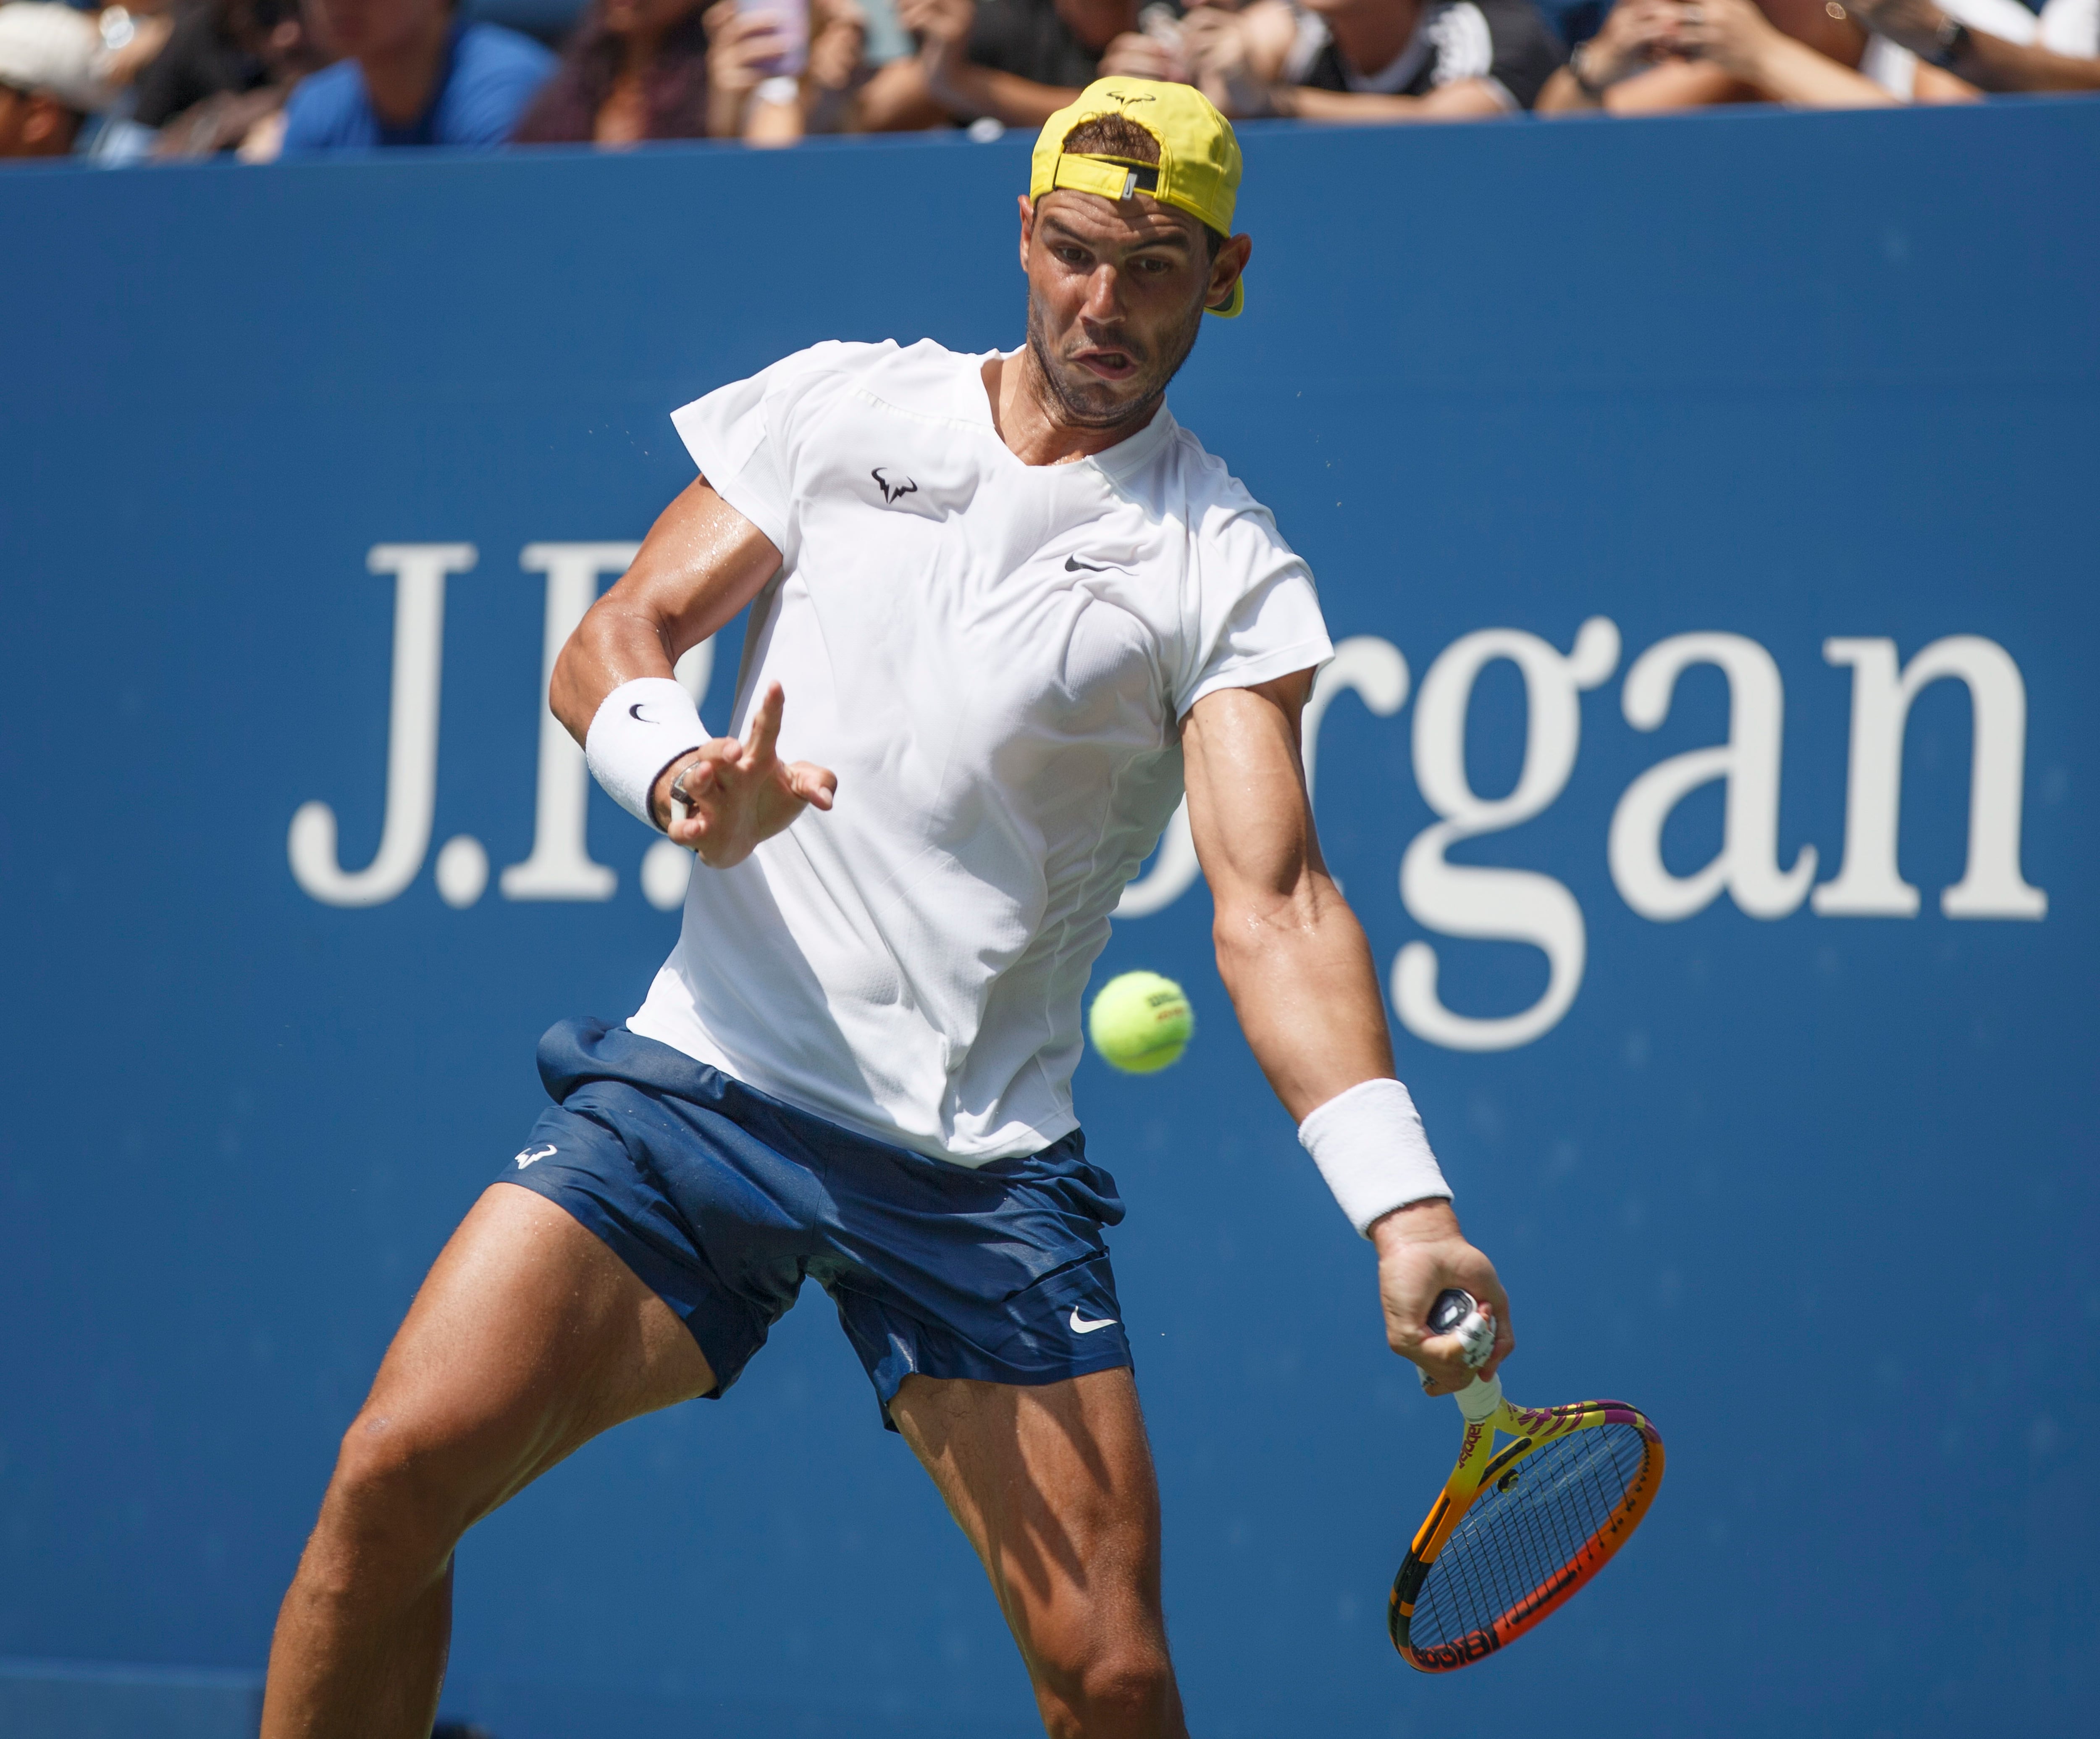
894, 489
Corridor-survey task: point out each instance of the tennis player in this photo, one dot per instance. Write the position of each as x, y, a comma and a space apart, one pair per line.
1003, 608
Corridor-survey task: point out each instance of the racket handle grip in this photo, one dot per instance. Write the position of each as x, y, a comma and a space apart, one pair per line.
1477, 1400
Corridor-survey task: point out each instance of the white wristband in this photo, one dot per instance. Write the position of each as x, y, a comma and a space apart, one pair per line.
1369, 1145
638, 730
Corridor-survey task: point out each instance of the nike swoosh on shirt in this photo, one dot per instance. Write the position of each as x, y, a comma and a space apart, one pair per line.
1081, 1325
1073, 565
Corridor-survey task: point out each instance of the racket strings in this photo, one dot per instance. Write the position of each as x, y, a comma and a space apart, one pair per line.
1516, 1542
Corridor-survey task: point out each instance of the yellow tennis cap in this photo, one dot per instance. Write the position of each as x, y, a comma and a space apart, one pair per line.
1198, 170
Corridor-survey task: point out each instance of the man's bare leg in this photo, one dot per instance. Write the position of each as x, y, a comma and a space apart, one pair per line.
529, 1338
1055, 1488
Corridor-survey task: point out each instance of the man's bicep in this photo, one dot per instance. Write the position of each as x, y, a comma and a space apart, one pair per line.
701, 563
1247, 810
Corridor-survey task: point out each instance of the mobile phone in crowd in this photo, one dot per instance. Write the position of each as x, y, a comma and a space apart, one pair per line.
791, 18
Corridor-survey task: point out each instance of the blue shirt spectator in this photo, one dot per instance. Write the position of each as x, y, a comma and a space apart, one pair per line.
482, 79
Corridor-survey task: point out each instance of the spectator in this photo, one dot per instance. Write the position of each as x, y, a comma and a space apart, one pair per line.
1653, 56
415, 75
224, 77
643, 69
1992, 54
634, 70
1195, 48
756, 90
48, 87
1014, 61
1358, 61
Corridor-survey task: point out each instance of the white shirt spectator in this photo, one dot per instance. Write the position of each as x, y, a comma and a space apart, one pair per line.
2071, 27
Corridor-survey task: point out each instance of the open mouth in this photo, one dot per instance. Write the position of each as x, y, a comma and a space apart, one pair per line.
1108, 363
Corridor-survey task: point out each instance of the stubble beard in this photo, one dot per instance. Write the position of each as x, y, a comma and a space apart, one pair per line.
1084, 402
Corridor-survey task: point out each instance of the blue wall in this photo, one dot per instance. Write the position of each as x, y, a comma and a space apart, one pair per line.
1817, 1190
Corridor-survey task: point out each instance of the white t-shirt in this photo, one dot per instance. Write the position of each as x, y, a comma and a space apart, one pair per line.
1895, 68
995, 658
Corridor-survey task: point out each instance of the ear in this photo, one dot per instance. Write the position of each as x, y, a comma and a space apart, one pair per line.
1027, 227
40, 126
1226, 268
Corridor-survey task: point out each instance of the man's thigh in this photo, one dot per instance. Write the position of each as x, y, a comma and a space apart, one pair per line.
1054, 1486
527, 1338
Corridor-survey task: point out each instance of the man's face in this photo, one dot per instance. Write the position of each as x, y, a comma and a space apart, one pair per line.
1116, 294
34, 126
359, 28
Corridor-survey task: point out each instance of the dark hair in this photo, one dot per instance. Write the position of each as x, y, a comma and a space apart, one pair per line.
674, 87
1119, 136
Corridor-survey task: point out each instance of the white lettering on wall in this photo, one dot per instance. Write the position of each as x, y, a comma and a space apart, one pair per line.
1747, 864
419, 571
1499, 905
1364, 665
1468, 901
1868, 883
560, 867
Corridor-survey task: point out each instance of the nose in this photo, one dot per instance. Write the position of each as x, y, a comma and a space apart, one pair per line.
1102, 301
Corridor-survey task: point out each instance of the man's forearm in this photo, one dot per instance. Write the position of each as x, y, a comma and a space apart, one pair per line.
702, 562
611, 646
959, 83
1791, 72
1992, 64
1300, 975
1468, 100
1565, 94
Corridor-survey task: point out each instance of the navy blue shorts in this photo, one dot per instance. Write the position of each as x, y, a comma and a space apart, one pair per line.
721, 1200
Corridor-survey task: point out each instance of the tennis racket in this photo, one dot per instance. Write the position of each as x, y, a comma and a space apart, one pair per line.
1517, 1529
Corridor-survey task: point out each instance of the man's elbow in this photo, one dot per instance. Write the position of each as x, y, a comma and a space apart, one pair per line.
571, 695
1247, 927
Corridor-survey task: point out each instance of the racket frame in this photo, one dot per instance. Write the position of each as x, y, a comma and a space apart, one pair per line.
1480, 1464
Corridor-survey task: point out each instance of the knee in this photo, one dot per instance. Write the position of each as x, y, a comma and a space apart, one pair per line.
1121, 1688
398, 1499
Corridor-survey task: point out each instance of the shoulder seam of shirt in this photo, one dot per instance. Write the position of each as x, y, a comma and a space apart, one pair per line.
930, 417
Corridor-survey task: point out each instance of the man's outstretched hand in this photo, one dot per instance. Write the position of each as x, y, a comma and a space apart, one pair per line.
738, 793
1421, 1252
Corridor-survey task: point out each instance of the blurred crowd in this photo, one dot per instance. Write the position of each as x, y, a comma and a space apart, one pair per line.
165, 80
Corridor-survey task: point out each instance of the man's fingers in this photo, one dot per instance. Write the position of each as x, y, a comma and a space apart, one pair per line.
1439, 1360
1447, 1352
813, 784
1505, 1344
765, 732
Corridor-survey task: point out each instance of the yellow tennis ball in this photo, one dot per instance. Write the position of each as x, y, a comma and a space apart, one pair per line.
1140, 1023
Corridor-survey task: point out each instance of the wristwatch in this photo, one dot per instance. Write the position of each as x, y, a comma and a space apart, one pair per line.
1578, 68
1953, 38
